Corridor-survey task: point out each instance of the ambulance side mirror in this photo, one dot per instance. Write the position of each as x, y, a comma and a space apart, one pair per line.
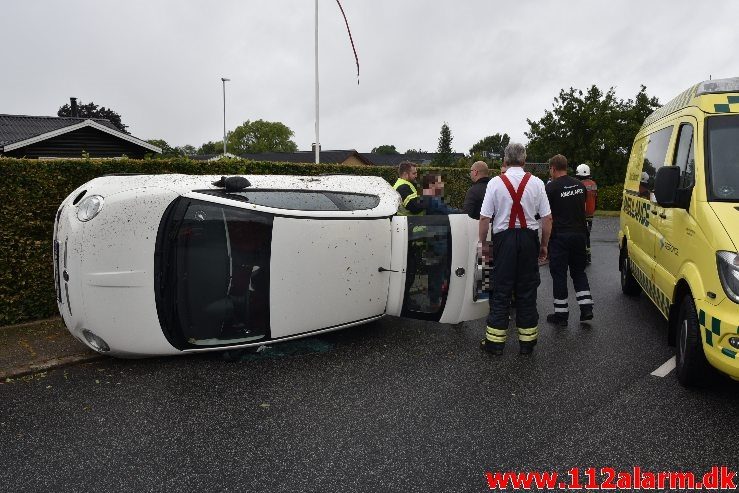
665, 186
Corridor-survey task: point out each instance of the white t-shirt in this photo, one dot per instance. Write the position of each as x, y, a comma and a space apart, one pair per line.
498, 201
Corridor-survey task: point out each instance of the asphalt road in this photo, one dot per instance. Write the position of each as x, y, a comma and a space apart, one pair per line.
396, 405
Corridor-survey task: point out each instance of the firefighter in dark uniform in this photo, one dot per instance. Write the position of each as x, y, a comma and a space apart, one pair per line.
567, 248
591, 200
514, 199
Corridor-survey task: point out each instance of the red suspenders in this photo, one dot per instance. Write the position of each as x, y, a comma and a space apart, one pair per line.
516, 209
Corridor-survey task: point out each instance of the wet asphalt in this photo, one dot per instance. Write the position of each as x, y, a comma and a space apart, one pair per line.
396, 405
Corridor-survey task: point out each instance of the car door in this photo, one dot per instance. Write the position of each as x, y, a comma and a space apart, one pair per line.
642, 210
673, 223
432, 274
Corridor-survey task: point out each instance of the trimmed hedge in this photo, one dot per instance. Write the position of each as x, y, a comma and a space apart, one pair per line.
32, 190
610, 197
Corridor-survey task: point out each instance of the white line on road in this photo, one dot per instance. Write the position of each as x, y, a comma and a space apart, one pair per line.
665, 369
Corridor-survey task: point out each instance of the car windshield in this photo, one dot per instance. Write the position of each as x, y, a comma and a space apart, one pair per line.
215, 274
722, 149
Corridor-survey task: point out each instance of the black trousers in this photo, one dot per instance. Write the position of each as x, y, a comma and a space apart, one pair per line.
567, 250
515, 270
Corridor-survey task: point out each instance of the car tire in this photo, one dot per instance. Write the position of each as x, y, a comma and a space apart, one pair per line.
629, 286
690, 360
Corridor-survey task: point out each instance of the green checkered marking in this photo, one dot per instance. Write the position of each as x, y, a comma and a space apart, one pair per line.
716, 326
729, 353
733, 99
709, 337
702, 318
722, 108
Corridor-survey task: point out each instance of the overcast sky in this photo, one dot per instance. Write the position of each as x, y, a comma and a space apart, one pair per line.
482, 66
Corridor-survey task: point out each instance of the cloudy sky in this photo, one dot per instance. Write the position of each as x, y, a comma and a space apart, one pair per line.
482, 66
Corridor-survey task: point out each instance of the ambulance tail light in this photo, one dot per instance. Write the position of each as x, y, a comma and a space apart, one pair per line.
728, 272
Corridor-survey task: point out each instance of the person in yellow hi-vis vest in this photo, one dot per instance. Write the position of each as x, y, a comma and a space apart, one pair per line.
412, 204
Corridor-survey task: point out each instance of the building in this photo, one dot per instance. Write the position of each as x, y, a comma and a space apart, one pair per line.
49, 137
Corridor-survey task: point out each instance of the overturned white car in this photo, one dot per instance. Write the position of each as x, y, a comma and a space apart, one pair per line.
171, 264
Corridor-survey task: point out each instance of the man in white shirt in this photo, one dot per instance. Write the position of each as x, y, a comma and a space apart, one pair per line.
514, 199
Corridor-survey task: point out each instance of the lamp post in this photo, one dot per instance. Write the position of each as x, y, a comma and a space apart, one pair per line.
223, 80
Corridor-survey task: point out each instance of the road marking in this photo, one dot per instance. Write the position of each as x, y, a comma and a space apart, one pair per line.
665, 369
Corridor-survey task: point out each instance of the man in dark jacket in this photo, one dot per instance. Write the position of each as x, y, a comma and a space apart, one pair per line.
567, 244
473, 200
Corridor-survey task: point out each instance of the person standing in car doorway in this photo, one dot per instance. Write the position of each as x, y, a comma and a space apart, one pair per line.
568, 242
591, 201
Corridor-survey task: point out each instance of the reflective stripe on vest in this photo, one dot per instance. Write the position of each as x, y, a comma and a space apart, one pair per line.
402, 211
516, 209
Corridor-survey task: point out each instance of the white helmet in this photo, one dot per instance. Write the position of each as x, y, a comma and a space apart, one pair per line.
583, 170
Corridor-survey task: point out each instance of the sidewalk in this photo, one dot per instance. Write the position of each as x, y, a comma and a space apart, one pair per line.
38, 346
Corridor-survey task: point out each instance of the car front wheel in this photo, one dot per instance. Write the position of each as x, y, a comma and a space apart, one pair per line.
691, 364
629, 286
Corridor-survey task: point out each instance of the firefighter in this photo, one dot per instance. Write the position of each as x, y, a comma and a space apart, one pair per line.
591, 201
567, 197
514, 199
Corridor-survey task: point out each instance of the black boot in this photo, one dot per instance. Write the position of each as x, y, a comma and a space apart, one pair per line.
586, 312
558, 319
495, 348
526, 347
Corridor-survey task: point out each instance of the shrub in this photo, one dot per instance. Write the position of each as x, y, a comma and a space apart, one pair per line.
610, 197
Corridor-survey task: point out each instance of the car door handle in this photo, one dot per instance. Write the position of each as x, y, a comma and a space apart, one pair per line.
383, 269
653, 211
663, 215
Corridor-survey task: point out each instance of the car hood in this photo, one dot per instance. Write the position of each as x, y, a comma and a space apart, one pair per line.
728, 214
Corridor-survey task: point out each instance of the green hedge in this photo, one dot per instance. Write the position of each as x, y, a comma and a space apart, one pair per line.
32, 190
610, 197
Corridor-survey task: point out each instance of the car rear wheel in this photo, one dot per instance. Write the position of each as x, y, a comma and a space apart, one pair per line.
692, 366
629, 286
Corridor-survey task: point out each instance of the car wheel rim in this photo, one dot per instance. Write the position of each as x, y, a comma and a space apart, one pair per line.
683, 339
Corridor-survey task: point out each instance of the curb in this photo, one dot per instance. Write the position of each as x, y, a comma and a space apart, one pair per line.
47, 365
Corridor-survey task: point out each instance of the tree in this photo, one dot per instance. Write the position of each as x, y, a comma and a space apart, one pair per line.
260, 136
385, 149
170, 152
414, 152
593, 127
210, 148
444, 153
492, 143
91, 110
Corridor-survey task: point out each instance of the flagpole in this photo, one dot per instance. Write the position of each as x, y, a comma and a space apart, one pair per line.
317, 144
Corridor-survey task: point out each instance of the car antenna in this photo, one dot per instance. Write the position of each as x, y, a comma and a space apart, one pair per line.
232, 184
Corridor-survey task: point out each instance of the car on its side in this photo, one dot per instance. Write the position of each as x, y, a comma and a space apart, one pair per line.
679, 233
169, 264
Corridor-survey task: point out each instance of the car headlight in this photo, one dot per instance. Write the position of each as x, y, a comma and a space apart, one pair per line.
89, 207
728, 272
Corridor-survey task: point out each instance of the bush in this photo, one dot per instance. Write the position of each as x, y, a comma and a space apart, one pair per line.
610, 197
34, 189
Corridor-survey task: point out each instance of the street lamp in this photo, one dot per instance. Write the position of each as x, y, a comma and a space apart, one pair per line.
223, 80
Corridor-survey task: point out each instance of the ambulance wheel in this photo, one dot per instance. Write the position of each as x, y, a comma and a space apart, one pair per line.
691, 364
629, 286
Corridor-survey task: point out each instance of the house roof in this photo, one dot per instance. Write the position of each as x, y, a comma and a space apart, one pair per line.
326, 157
423, 158
21, 130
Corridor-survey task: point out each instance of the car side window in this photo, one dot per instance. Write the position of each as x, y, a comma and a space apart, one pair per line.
684, 158
302, 200
654, 159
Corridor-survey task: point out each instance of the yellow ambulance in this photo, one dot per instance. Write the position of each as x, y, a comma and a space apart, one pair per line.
679, 227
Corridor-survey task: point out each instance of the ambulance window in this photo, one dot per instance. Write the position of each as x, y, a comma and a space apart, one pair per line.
684, 158
654, 157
